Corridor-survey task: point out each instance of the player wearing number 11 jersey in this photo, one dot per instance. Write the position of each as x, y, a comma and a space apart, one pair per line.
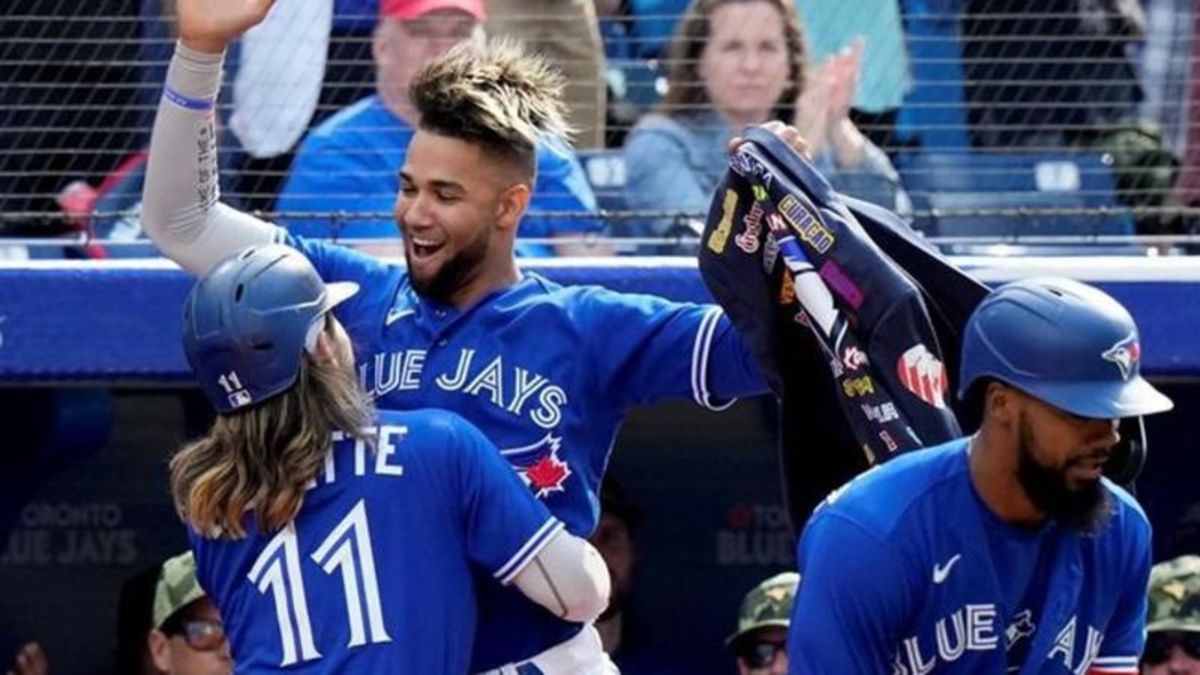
334, 538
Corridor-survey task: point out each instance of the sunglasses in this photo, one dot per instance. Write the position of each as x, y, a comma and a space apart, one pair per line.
761, 654
1159, 646
202, 635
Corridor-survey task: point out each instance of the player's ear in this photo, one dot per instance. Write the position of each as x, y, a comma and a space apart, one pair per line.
160, 649
1000, 402
511, 206
325, 350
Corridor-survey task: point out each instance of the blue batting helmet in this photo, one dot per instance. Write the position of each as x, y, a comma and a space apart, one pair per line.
248, 322
1063, 342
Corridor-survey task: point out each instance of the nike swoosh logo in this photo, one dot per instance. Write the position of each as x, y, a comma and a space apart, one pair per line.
940, 572
395, 315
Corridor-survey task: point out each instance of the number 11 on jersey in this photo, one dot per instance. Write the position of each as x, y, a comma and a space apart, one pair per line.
346, 550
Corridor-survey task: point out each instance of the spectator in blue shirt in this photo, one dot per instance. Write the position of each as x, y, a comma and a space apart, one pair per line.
350, 163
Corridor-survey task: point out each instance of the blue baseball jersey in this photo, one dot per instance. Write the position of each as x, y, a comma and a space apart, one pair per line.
547, 373
376, 572
905, 570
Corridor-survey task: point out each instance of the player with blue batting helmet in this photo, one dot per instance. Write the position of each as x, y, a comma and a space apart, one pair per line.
304, 485
1061, 341
248, 323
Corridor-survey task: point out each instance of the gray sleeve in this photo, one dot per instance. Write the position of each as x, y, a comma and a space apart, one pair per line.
568, 577
181, 208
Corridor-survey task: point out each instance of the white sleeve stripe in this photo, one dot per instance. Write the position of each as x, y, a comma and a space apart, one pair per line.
1116, 661
696, 388
700, 354
528, 551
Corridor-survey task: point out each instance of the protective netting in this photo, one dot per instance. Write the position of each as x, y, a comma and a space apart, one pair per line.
1067, 120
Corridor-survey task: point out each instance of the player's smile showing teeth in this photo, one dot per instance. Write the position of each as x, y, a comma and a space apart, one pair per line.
422, 247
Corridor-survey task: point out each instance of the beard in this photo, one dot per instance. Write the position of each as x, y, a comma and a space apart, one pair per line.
455, 272
1084, 509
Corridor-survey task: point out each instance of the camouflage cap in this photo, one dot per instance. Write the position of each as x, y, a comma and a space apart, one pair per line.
1175, 595
177, 587
767, 604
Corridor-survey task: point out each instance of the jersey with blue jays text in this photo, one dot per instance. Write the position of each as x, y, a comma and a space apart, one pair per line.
905, 570
547, 373
375, 574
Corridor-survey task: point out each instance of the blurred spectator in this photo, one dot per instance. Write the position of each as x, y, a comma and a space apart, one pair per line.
1186, 191
1060, 75
1165, 67
760, 642
188, 637
1049, 73
1173, 623
735, 63
69, 102
615, 538
831, 26
31, 659
306, 61
568, 34
351, 162
135, 620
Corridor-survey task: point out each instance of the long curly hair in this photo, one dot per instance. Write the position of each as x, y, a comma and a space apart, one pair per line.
262, 458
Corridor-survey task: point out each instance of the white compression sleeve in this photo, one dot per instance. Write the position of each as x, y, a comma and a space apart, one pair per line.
567, 577
181, 210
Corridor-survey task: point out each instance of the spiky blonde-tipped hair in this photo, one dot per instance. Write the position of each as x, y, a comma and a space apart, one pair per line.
500, 96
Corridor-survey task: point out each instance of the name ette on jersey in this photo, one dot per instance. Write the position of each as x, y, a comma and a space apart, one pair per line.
516, 390
381, 461
978, 627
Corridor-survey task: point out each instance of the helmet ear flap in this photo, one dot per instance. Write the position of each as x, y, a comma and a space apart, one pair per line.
1128, 457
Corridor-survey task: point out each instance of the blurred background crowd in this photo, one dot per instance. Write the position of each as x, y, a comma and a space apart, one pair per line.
981, 120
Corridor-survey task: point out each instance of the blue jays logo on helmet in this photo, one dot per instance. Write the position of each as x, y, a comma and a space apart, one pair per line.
1127, 354
538, 465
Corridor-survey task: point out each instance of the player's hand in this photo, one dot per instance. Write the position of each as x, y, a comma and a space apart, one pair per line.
210, 25
785, 132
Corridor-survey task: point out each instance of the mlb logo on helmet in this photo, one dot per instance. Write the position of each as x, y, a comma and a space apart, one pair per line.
239, 398
1126, 354
539, 467
923, 374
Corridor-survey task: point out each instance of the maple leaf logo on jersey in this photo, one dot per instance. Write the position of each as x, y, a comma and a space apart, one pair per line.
1125, 354
538, 465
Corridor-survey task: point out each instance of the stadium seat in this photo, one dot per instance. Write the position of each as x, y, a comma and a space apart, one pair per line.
654, 22
1012, 181
605, 171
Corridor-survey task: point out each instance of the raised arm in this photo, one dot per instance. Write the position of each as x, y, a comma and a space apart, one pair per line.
181, 210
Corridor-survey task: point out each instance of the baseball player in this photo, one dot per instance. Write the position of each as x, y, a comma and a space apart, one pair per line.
334, 539
1173, 621
548, 373
1006, 551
